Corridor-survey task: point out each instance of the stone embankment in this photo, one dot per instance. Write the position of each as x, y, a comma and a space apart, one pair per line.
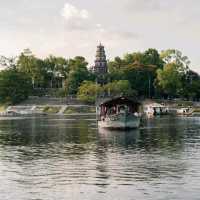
47, 105
62, 106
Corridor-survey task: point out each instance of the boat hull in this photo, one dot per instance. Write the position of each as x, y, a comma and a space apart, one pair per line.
120, 121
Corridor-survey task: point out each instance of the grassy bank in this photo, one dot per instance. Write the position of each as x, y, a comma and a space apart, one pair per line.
51, 109
197, 110
79, 110
3, 107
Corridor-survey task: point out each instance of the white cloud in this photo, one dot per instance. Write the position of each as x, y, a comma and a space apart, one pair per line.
98, 25
75, 18
70, 12
76, 27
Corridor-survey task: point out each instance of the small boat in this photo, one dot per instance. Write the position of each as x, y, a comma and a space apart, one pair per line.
155, 109
119, 113
185, 111
8, 114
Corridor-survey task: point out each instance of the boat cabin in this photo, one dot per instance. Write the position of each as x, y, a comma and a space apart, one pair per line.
119, 105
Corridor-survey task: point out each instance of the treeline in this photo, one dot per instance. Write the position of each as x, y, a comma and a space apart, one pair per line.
145, 74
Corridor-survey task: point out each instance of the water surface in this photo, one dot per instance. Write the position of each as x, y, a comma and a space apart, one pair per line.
55, 157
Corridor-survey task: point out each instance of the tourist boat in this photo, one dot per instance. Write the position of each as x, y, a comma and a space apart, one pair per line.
7, 114
185, 111
154, 109
119, 113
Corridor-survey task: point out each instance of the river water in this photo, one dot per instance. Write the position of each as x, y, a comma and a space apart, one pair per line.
50, 158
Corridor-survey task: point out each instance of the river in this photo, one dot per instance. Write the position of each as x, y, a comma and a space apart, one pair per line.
57, 157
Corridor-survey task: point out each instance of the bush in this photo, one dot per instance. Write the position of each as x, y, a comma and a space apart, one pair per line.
14, 86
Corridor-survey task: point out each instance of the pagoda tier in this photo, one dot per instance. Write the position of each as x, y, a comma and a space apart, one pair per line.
100, 67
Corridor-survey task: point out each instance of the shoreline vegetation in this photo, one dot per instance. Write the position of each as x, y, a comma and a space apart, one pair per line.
147, 75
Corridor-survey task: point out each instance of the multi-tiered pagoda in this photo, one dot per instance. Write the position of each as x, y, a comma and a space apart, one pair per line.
100, 68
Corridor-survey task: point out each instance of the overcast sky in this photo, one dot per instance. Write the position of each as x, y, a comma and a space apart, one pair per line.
75, 27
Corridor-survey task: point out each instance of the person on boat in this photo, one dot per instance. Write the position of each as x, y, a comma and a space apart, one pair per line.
112, 111
136, 114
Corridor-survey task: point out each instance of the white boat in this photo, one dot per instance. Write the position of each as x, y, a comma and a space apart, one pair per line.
185, 111
119, 113
155, 109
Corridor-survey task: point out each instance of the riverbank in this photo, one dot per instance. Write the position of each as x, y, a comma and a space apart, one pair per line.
49, 110
67, 106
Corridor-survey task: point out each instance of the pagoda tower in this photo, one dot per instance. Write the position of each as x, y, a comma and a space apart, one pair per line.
100, 61
100, 68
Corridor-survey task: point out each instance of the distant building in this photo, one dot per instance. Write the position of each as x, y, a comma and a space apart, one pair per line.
100, 68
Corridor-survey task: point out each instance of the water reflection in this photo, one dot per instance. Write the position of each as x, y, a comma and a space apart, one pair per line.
144, 150
119, 138
59, 157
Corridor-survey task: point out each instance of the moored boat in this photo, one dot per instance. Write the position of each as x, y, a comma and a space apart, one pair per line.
119, 113
154, 109
185, 111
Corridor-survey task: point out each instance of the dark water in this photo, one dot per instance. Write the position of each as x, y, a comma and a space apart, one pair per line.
60, 158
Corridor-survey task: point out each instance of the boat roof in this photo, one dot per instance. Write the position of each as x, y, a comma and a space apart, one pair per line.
119, 100
156, 105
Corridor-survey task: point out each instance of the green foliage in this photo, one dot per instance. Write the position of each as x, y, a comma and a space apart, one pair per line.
78, 73
139, 69
121, 87
169, 79
32, 66
56, 69
152, 57
47, 73
58, 93
89, 91
14, 86
191, 89
56, 65
146, 74
8, 62
175, 56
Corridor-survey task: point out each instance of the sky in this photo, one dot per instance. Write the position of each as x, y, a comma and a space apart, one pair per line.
75, 27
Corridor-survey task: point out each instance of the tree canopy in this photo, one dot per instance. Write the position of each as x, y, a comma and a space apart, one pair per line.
145, 74
15, 86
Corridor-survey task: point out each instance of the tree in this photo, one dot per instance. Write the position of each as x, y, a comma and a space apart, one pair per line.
115, 69
32, 66
56, 68
78, 73
139, 69
8, 62
121, 87
133, 57
14, 86
176, 56
89, 91
169, 80
152, 57
191, 85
